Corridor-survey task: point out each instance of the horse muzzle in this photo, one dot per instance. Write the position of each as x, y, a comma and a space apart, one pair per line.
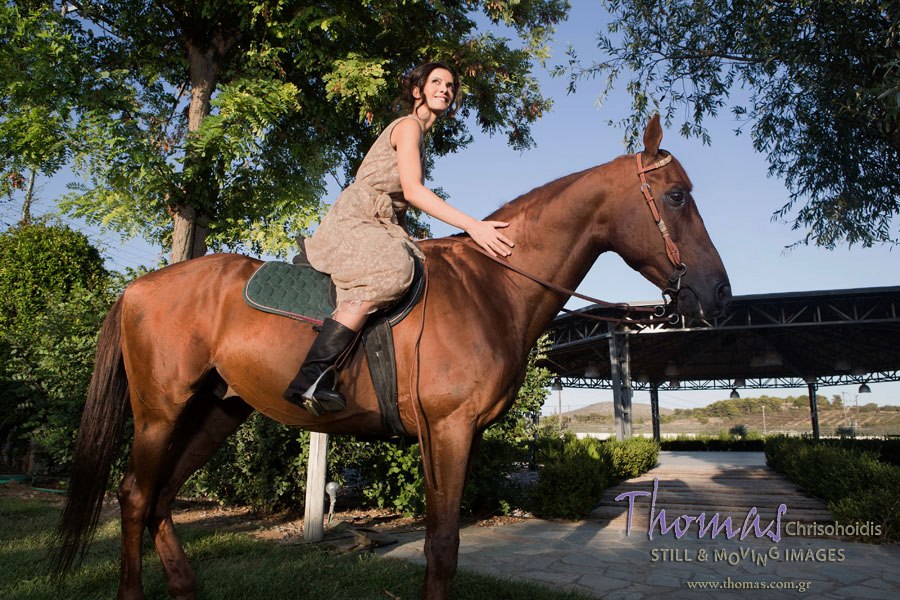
710, 301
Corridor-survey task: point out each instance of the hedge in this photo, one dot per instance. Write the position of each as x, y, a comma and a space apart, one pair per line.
713, 445
856, 484
576, 472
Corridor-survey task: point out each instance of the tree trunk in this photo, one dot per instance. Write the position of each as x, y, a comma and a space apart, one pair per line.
191, 218
29, 196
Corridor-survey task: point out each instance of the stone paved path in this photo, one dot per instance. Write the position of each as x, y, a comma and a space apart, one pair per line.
596, 555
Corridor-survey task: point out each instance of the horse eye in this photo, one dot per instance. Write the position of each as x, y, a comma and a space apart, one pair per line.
677, 197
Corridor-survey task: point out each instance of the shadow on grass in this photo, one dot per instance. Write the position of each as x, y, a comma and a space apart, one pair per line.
228, 566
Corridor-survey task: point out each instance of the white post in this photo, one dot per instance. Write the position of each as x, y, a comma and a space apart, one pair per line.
313, 517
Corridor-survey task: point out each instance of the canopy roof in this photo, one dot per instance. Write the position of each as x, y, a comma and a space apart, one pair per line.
828, 337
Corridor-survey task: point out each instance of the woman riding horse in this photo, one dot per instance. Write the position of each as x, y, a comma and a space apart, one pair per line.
180, 337
361, 242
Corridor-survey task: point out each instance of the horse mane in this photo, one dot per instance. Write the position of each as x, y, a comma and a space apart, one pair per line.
535, 196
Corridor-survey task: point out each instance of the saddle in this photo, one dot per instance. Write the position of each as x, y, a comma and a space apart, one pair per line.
297, 291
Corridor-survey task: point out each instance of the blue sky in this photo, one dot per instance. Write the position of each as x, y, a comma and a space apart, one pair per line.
731, 187
732, 190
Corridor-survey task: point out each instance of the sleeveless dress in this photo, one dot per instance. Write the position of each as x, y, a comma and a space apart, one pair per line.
360, 242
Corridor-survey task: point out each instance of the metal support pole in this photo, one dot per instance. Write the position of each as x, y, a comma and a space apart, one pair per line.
621, 383
654, 409
813, 410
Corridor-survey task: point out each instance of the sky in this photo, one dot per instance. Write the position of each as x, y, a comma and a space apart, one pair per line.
733, 192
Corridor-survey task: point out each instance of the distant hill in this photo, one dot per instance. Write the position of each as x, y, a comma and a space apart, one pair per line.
606, 409
781, 416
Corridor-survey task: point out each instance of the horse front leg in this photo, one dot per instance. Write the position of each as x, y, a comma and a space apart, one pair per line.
448, 460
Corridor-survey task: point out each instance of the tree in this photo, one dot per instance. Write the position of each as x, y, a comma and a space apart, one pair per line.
822, 86
37, 90
54, 292
217, 122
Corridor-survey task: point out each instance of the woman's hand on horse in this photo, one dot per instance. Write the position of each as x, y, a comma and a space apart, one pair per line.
486, 235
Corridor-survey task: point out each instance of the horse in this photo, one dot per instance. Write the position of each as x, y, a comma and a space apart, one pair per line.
178, 335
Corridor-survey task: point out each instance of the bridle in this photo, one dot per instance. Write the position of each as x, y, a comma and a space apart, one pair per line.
671, 248
630, 313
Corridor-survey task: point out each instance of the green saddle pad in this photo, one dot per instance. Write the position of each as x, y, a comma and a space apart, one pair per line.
295, 291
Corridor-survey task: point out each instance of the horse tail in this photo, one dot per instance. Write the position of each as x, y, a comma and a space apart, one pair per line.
99, 438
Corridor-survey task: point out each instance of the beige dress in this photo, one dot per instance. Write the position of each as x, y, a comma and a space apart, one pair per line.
360, 242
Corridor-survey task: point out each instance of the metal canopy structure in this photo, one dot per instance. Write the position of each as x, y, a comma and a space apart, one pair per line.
817, 338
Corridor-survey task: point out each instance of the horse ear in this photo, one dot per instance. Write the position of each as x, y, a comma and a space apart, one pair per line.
653, 136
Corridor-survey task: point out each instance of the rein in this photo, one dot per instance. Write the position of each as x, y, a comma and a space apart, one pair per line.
655, 313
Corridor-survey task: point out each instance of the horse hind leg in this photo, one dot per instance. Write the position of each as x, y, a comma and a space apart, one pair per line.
164, 453
200, 432
136, 494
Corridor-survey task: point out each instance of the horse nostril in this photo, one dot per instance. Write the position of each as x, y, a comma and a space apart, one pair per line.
723, 295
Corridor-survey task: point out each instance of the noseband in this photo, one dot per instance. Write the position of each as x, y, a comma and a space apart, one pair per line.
671, 248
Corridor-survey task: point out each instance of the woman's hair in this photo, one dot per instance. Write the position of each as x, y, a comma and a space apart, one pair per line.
418, 77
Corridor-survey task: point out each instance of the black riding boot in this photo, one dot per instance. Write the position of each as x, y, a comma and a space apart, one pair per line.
312, 388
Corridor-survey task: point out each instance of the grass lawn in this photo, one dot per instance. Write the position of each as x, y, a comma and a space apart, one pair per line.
229, 566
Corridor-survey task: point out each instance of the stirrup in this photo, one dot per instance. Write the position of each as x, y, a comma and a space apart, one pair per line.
313, 406
320, 406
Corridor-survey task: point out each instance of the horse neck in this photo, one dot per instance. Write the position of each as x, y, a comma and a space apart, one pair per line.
559, 231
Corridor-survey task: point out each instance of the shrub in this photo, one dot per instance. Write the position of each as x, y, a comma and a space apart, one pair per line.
738, 431
573, 481
491, 488
631, 457
878, 505
262, 465
726, 444
395, 479
888, 450
576, 472
856, 484
54, 292
846, 431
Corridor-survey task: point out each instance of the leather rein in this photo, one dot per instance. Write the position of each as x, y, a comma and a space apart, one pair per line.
631, 313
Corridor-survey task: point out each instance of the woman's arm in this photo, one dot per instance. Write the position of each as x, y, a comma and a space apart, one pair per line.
406, 138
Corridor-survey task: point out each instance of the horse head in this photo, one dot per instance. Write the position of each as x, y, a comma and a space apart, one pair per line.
661, 234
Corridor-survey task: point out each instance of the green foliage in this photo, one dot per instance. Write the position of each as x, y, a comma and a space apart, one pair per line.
517, 426
819, 98
738, 431
40, 264
735, 407
631, 457
54, 293
855, 483
241, 111
576, 472
846, 431
491, 487
36, 80
263, 465
396, 480
572, 479
711, 444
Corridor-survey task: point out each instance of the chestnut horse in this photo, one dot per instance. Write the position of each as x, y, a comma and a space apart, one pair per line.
179, 335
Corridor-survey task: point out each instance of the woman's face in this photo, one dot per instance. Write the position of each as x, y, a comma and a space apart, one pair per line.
438, 91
